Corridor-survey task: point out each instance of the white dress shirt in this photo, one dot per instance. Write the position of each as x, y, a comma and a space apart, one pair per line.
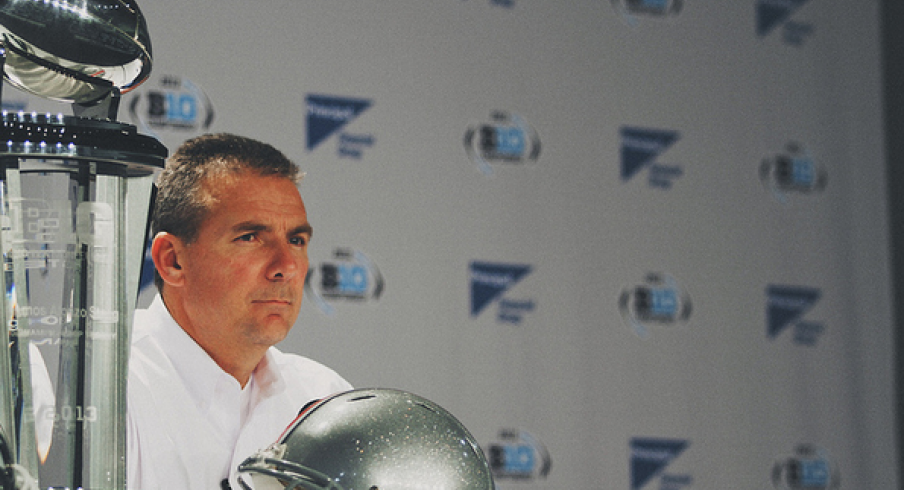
190, 423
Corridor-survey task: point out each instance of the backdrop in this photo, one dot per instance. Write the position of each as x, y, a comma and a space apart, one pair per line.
631, 244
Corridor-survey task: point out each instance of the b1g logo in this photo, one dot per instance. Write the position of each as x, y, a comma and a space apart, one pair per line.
505, 139
658, 300
641, 149
631, 10
771, 14
808, 468
786, 307
175, 104
649, 459
348, 276
518, 455
792, 172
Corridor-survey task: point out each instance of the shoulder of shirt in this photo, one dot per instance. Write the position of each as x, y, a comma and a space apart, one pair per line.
289, 363
306, 378
144, 321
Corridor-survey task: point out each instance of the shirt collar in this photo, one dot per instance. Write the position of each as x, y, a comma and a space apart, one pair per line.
199, 372
268, 376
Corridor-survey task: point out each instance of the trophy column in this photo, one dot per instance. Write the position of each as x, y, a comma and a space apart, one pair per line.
68, 188
67, 301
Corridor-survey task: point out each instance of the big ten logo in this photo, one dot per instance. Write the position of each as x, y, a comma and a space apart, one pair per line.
348, 275
173, 107
176, 103
792, 172
343, 279
659, 300
506, 138
809, 467
518, 455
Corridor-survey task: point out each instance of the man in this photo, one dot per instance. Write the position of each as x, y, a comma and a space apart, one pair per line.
206, 386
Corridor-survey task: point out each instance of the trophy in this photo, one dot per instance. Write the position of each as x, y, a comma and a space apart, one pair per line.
74, 200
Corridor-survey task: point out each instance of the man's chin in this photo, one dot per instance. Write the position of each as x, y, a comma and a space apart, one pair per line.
273, 329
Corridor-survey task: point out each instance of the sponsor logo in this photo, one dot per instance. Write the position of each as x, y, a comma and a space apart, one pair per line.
786, 308
641, 148
506, 139
328, 115
807, 468
348, 276
175, 104
632, 10
518, 455
490, 282
772, 14
792, 172
658, 301
649, 459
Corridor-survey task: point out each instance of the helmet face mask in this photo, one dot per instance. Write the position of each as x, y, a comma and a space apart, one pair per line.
270, 472
371, 439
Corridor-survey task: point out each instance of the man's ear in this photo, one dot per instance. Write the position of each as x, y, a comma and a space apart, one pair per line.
167, 250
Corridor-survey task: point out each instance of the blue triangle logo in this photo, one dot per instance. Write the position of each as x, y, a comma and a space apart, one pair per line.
641, 146
770, 13
327, 114
785, 305
490, 280
649, 457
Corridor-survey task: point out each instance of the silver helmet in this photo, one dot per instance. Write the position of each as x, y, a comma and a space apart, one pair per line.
371, 439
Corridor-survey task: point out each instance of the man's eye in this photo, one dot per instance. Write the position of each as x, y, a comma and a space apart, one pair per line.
299, 240
247, 237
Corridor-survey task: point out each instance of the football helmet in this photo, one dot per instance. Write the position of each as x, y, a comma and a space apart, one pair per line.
371, 439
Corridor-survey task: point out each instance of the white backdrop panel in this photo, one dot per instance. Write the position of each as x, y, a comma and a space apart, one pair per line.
572, 372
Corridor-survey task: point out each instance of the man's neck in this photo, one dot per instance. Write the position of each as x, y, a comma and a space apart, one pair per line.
237, 361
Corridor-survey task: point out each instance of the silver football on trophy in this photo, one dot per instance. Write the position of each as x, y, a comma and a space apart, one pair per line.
74, 51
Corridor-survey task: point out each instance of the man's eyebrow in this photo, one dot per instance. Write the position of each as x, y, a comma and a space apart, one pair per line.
302, 230
252, 226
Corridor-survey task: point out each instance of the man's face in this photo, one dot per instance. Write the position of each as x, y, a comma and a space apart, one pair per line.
245, 272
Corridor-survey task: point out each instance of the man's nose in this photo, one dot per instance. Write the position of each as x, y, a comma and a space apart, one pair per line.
286, 262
